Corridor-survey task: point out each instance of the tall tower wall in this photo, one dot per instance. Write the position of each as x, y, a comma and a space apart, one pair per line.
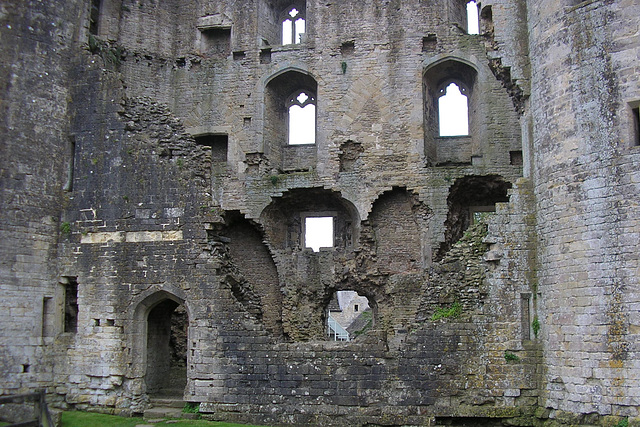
585, 87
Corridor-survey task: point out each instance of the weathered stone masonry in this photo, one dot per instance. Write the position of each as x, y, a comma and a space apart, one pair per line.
149, 181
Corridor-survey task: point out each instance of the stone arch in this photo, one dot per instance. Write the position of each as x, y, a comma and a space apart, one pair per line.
277, 93
150, 319
283, 218
438, 73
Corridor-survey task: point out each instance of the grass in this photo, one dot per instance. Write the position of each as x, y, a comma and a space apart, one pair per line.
85, 419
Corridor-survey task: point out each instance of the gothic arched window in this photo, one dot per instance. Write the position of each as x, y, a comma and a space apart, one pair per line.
293, 26
453, 110
301, 108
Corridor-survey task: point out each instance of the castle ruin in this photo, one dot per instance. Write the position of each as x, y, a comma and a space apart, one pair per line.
165, 162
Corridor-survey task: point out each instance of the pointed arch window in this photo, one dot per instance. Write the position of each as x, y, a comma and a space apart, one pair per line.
293, 26
453, 110
301, 108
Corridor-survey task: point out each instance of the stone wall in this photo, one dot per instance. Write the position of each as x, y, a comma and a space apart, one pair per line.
586, 194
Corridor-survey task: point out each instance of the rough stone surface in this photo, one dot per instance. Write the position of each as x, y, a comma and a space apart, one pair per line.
147, 177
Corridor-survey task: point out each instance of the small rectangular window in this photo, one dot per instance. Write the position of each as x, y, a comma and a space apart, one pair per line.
515, 158
70, 304
94, 17
318, 232
429, 43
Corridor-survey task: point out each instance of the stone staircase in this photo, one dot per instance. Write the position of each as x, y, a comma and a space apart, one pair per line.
164, 407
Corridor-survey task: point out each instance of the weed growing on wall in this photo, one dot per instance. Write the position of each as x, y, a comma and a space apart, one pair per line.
535, 325
510, 357
65, 228
444, 313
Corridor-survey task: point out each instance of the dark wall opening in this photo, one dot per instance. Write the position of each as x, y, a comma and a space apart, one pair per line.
167, 325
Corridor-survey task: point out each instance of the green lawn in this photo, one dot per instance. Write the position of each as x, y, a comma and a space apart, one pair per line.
91, 419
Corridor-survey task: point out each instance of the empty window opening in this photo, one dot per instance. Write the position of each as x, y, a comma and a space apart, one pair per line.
25, 368
70, 304
318, 232
265, 56
473, 21
111, 322
480, 213
216, 42
636, 126
486, 19
349, 315
453, 111
347, 48
515, 158
239, 54
470, 199
218, 143
429, 43
94, 17
96, 322
302, 118
293, 27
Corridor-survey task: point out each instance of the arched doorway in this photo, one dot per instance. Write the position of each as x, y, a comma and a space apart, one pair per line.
166, 349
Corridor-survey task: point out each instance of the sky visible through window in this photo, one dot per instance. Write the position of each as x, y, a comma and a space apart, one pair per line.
293, 28
318, 232
302, 122
473, 22
453, 112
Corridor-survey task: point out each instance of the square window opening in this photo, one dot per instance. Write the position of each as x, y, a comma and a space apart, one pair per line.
318, 232
219, 145
515, 158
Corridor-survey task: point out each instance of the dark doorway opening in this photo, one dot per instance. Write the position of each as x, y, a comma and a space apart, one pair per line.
167, 326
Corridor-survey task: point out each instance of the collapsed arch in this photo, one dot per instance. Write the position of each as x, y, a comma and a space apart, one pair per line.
469, 196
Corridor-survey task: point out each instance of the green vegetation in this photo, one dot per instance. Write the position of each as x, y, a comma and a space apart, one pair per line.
623, 423
191, 408
275, 179
110, 52
65, 228
535, 325
510, 357
444, 313
84, 419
